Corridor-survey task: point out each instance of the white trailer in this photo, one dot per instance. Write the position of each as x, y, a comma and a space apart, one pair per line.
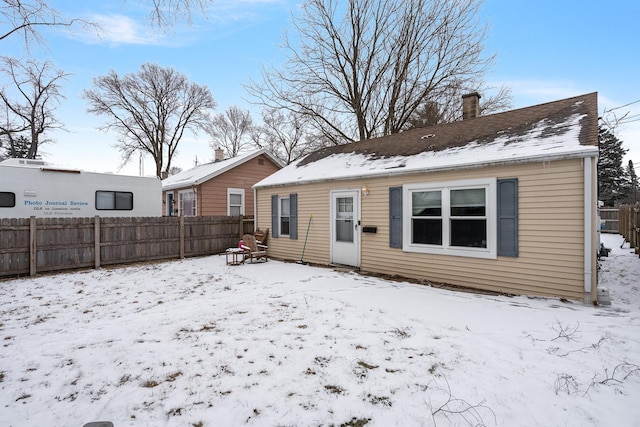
35, 188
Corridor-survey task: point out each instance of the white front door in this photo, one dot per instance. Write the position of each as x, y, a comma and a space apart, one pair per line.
345, 227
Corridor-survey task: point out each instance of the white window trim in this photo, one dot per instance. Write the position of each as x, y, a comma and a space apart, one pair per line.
280, 216
235, 191
490, 252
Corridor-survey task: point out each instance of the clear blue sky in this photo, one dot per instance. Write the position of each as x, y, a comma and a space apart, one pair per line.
546, 50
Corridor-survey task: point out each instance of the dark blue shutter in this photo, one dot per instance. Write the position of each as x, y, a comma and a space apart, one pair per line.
508, 217
395, 217
293, 216
274, 215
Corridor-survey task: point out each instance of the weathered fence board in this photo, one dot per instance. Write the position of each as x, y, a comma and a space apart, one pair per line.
609, 216
629, 224
38, 245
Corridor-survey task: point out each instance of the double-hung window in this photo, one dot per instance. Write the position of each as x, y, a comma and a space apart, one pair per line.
235, 201
285, 216
451, 218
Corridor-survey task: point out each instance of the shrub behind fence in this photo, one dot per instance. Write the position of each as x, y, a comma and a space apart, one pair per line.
38, 245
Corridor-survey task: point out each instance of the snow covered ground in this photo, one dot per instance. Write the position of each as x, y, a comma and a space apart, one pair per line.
198, 343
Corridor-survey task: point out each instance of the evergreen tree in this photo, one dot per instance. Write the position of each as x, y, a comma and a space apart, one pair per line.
15, 148
611, 174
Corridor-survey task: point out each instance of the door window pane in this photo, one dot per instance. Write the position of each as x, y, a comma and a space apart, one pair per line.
344, 219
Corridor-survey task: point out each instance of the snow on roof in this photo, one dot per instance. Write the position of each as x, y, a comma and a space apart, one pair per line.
547, 132
202, 173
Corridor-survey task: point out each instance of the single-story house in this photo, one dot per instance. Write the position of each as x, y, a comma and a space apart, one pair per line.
222, 187
504, 202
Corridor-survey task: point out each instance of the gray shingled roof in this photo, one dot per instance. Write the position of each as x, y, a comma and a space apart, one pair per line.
514, 124
556, 130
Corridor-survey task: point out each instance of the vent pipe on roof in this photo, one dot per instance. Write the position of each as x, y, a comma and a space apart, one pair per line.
219, 154
470, 105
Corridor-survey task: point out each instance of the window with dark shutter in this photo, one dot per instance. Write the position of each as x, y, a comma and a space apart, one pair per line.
508, 217
293, 216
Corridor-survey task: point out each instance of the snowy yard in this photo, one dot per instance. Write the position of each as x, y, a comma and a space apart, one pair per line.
198, 343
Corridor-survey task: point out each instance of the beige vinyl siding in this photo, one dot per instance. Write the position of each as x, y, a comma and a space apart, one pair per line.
313, 201
551, 231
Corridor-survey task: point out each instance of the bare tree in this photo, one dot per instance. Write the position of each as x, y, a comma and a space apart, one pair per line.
361, 68
283, 134
231, 130
447, 109
151, 110
36, 88
165, 13
26, 17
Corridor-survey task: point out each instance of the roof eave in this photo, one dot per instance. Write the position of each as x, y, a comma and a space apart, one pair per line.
583, 153
238, 162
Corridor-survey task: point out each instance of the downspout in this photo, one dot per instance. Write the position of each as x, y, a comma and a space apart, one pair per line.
594, 231
255, 209
590, 256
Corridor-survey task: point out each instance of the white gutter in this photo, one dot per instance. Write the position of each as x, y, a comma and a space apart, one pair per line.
583, 153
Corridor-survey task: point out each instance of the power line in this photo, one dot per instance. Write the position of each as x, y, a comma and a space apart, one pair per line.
622, 106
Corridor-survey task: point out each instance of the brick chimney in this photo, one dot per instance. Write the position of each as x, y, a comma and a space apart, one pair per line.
219, 154
470, 105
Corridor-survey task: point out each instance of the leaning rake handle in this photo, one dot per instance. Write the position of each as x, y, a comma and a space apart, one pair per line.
304, 247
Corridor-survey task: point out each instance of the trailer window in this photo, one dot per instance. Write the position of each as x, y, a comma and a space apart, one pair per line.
7, 200
114, 200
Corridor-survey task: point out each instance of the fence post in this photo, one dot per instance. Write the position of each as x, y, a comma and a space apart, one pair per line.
32, 246
241, 227
181, 237
636, 228
96, 239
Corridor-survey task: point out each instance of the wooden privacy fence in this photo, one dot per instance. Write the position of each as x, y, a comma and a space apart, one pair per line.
629, 225
38, 245
609, 218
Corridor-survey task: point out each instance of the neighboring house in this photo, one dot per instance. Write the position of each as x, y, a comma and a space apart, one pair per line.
504, 202
219, 188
